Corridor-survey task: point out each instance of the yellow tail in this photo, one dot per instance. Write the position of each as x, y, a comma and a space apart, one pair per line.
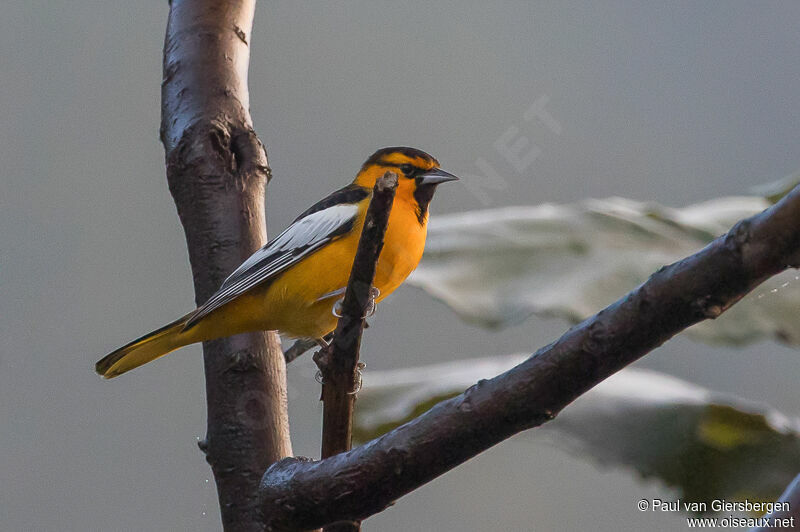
149, 347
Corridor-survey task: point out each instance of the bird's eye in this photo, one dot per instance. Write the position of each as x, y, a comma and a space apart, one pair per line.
406, 169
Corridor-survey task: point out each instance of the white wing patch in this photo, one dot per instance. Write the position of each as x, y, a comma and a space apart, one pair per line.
297, 241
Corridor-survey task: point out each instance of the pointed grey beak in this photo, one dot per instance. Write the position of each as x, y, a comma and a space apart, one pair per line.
436, 176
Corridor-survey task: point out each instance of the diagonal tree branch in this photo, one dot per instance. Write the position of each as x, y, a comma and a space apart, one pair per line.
338, 363
787, 512
298, 493
217, 171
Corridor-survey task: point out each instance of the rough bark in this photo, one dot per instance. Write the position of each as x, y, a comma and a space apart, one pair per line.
300, 493
217, 172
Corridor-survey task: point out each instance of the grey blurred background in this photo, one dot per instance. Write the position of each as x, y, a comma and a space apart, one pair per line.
674, 104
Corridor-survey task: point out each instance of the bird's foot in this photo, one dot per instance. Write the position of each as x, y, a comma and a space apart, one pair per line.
357, 387
372, 305
337, 308
358, 381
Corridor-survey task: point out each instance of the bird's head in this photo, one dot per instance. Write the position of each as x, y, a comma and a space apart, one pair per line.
418, 174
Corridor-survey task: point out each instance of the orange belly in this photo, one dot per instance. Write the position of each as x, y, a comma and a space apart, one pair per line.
295, 304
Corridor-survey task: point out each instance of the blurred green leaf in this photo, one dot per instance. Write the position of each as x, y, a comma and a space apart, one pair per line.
496, 267
704, 444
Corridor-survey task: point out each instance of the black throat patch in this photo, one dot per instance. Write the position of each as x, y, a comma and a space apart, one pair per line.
423, 194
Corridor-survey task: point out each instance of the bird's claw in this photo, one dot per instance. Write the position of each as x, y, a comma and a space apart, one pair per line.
374, 293
372, 305
359, 366
337, 308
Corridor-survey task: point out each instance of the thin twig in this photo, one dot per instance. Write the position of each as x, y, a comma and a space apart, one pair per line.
338, 363
299, 347
300, 494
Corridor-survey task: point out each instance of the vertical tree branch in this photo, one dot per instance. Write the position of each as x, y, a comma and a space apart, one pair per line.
217, 171
338, 363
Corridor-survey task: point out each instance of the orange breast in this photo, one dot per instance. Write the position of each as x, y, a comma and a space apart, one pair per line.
402, 247
293, 303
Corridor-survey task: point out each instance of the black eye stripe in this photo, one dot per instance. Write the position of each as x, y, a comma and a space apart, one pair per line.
407, 169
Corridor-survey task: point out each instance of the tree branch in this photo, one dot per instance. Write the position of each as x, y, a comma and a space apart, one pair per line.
217, 171
338, 363
299, 493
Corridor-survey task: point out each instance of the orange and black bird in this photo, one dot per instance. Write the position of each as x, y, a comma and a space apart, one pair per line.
293, 283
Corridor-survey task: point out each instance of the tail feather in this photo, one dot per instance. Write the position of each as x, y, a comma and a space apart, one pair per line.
143, 350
